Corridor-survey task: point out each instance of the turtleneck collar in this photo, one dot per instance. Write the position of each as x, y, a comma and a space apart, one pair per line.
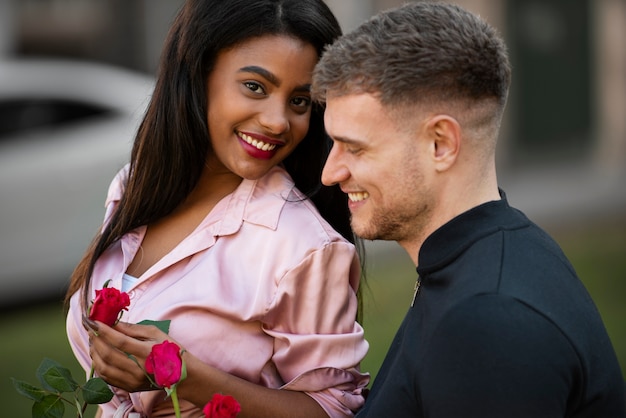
458, 234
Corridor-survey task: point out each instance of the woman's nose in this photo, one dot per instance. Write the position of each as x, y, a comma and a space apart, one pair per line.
275, 119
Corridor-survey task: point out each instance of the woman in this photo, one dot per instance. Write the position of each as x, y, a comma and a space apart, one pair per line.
206, 228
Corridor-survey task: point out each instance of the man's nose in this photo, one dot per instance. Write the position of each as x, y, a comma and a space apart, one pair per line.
335, 171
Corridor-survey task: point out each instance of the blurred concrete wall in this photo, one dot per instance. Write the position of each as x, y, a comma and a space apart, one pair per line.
609, 41
7, 27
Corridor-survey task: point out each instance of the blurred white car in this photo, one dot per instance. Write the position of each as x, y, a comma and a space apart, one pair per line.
66, 128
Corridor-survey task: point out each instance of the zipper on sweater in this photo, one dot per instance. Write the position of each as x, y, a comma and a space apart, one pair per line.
416, 290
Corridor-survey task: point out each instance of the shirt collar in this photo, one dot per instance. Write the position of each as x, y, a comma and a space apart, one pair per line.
454, 237
258, 201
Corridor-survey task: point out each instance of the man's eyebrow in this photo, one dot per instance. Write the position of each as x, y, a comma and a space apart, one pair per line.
345, 140
271, 77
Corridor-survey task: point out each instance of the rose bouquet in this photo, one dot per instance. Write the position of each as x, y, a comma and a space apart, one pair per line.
57, 381
164, 367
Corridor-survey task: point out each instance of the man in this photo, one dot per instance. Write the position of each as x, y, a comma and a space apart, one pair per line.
500, 325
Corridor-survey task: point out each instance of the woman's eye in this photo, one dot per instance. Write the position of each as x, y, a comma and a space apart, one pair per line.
301, 102
254, 87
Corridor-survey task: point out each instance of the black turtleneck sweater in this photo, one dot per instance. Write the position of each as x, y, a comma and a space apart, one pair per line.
501, 327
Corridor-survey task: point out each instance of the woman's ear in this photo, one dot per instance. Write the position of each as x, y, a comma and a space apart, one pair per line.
445, 132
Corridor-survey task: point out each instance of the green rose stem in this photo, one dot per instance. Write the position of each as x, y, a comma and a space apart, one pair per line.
175, 402
82, 411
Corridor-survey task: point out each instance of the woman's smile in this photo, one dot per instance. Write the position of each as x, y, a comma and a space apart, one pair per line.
258, 146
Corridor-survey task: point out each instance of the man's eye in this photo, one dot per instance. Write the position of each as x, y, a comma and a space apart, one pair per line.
353, 150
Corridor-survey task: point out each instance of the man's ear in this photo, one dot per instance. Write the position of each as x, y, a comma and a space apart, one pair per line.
445, 132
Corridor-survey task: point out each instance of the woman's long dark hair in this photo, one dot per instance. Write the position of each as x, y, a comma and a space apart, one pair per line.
172, 142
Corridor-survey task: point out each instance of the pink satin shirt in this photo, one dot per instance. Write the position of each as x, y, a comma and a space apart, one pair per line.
263, 289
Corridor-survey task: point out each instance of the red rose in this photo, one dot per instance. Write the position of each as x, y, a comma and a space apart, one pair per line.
108, 305
221, 406
165, 363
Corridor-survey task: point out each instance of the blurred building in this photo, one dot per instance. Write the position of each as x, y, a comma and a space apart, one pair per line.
568, 99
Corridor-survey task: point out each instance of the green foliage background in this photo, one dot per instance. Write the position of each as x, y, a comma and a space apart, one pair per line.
598, 253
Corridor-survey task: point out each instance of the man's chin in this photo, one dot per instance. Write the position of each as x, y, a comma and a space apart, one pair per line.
364, 231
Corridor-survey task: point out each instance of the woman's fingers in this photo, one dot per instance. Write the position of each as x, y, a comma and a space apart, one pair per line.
141, 332
119, 359
119, 353
122, 342
116, 367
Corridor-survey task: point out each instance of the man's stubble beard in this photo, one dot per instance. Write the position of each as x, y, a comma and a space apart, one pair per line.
400, 225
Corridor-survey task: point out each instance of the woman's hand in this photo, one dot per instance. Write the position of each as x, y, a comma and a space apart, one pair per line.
111, 350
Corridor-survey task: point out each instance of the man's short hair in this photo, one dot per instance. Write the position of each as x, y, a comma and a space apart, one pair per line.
420, 52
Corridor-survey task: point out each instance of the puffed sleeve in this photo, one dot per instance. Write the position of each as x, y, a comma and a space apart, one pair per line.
318, 344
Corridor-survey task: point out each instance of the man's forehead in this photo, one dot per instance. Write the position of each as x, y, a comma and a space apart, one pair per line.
356, 118
351, 106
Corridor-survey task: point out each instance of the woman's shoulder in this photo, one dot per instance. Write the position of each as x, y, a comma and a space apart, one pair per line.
116, 189
117, 185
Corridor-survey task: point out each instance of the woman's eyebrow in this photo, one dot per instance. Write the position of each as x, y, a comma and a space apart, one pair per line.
271, 77
262, 72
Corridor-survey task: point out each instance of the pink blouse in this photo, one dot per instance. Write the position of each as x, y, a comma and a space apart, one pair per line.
263, 289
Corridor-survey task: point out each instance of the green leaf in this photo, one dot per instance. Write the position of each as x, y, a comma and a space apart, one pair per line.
28, 390
162, 325
55, 377
96, 391
51, 406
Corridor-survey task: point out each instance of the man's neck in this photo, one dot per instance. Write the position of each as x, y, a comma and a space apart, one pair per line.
452, 202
